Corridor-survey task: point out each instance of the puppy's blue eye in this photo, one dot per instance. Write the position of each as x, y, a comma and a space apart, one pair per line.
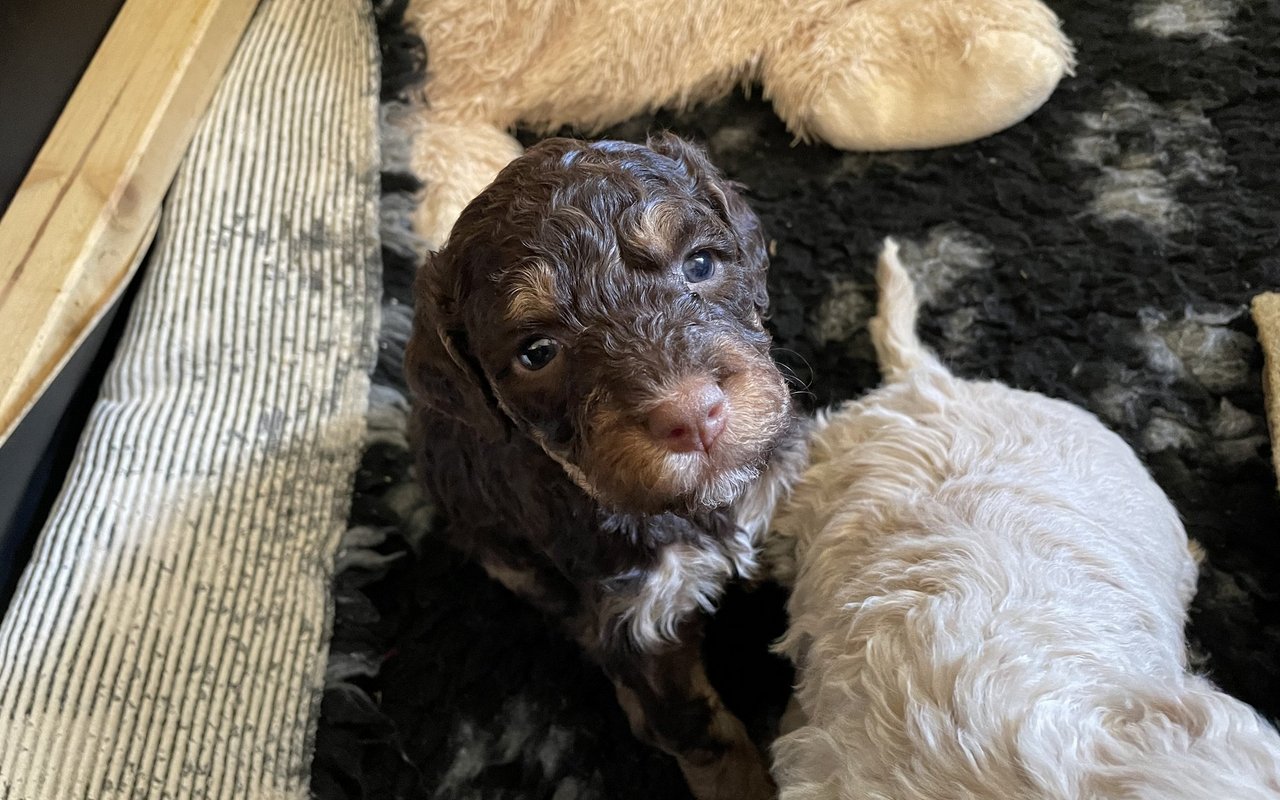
537, 353
699, 266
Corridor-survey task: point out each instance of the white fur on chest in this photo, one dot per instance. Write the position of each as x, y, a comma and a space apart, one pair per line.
687, 579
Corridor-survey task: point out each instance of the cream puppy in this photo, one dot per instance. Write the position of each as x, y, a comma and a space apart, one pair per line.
989, 600
855, 74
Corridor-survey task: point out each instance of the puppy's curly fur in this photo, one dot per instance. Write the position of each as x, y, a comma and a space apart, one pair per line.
600, 420
989, 603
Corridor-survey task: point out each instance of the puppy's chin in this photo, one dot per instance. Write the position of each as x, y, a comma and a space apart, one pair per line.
681, 483
718, 487
627, 470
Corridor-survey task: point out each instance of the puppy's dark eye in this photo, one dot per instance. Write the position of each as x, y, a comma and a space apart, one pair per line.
699, 266
537, 353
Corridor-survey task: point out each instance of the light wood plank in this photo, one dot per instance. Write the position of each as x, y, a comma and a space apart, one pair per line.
84, 212
1266, 313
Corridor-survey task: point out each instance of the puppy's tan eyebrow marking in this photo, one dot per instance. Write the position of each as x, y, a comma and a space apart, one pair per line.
657, 226
531, 291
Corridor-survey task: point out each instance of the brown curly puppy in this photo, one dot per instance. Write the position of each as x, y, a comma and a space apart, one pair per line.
600, 420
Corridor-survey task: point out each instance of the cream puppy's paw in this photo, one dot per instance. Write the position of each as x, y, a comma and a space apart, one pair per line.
455, 162
899, 74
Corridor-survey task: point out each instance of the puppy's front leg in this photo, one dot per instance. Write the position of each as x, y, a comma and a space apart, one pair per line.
672, 706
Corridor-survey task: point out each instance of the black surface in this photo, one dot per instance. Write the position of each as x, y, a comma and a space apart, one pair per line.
45, 46
35, 458
1040, 270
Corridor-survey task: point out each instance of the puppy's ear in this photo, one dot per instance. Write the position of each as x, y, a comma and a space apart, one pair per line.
440, 369
725, 196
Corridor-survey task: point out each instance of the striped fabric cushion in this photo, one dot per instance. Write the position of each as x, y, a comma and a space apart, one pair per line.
169, 636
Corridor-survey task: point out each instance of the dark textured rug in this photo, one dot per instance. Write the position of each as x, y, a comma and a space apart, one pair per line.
1102, 252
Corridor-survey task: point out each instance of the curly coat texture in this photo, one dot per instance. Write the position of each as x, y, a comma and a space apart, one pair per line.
564, 477
989, 603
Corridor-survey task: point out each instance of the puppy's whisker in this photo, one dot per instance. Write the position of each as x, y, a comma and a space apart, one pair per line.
790, 374
793, 378
788, 351
796, 386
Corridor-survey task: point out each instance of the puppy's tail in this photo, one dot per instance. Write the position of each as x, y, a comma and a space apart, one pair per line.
893, 328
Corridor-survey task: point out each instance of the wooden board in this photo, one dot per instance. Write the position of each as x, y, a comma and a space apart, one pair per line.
85, 211
1266, 313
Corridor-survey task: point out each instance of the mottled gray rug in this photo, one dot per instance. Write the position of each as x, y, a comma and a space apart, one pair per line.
1103, 252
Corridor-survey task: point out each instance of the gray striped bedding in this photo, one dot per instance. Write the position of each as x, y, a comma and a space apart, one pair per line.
169, 636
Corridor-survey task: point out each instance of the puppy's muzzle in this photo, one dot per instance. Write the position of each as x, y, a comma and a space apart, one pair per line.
691, 417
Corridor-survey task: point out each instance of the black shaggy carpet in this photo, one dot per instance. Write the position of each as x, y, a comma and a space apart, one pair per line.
1102, 252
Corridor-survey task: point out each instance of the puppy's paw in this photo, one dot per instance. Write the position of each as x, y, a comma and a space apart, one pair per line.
738, 774
899, 74
455, 162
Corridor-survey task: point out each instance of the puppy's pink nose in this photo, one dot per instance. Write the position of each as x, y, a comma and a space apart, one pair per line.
691, 418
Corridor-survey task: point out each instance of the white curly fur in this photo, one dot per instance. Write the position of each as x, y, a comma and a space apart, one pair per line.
989, 603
